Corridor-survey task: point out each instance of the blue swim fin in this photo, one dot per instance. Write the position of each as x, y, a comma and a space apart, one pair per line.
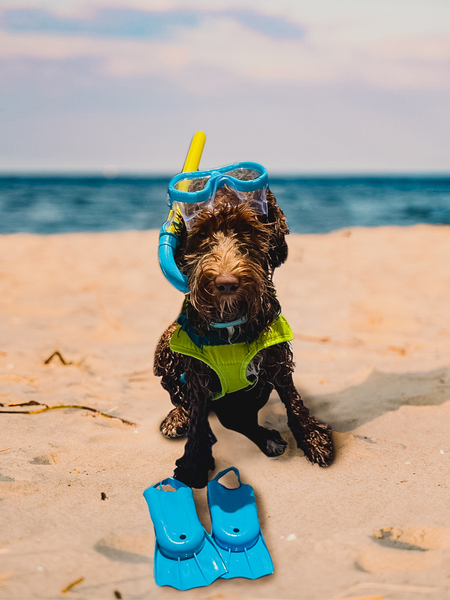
236, 530
185, 555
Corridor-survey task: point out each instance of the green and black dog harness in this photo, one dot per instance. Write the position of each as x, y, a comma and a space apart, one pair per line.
231, 360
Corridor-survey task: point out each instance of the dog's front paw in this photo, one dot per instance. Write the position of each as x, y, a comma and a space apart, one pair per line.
195, 476
176, 423
317, 444
273, 444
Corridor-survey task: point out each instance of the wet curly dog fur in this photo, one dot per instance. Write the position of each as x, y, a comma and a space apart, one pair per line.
229, 256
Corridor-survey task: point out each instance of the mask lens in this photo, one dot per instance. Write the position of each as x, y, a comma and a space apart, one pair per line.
191, 185
255, 200
244, 174
189, 210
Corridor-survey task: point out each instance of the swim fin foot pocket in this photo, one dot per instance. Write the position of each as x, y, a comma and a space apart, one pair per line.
185, 555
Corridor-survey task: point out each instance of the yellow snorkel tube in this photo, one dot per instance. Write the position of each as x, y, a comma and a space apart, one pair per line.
194, 154
168, 239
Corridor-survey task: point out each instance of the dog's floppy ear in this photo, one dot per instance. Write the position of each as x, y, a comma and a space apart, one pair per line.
181, 232
279, 229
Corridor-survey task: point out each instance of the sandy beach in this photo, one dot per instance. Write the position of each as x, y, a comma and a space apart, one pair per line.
370, 313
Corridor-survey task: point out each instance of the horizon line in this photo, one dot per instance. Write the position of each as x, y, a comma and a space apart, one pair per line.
100, 174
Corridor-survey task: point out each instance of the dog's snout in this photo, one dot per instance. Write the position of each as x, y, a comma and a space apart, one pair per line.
226, 283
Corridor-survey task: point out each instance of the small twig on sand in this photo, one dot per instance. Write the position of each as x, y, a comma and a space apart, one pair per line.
46, 408
72, 585
30, 403
5, 449
59, 355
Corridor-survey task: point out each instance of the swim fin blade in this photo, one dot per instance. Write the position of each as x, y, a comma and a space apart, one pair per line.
236, 529
185, 555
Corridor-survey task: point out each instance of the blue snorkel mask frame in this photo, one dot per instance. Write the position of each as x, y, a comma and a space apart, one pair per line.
192, 192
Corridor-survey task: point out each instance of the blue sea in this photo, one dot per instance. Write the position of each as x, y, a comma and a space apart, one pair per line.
59, 204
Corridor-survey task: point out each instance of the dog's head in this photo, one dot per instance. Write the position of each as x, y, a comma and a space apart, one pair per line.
229, 255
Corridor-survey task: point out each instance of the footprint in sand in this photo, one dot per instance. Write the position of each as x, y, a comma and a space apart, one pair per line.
405, 549
40, 460
414, 538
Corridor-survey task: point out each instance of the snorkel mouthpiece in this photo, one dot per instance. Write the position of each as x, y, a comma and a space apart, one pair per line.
168, 240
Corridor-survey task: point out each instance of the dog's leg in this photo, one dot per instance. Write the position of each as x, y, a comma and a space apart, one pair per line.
169, 366
239, 412
176, 422
312, 436
192, 468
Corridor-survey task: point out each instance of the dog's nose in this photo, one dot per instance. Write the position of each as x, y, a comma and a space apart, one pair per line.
227, 284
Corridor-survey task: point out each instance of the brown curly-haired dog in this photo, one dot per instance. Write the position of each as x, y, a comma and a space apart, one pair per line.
229, 257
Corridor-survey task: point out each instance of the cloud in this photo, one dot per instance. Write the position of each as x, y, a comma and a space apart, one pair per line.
141, 24
200, 44
105, 22
272, 26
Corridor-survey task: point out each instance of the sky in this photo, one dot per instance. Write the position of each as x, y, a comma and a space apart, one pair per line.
300, 86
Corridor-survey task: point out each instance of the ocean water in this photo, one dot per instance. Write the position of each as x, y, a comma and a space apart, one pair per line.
311, 204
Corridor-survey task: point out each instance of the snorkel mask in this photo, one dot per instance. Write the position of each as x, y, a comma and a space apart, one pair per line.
190, 193
193, 191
